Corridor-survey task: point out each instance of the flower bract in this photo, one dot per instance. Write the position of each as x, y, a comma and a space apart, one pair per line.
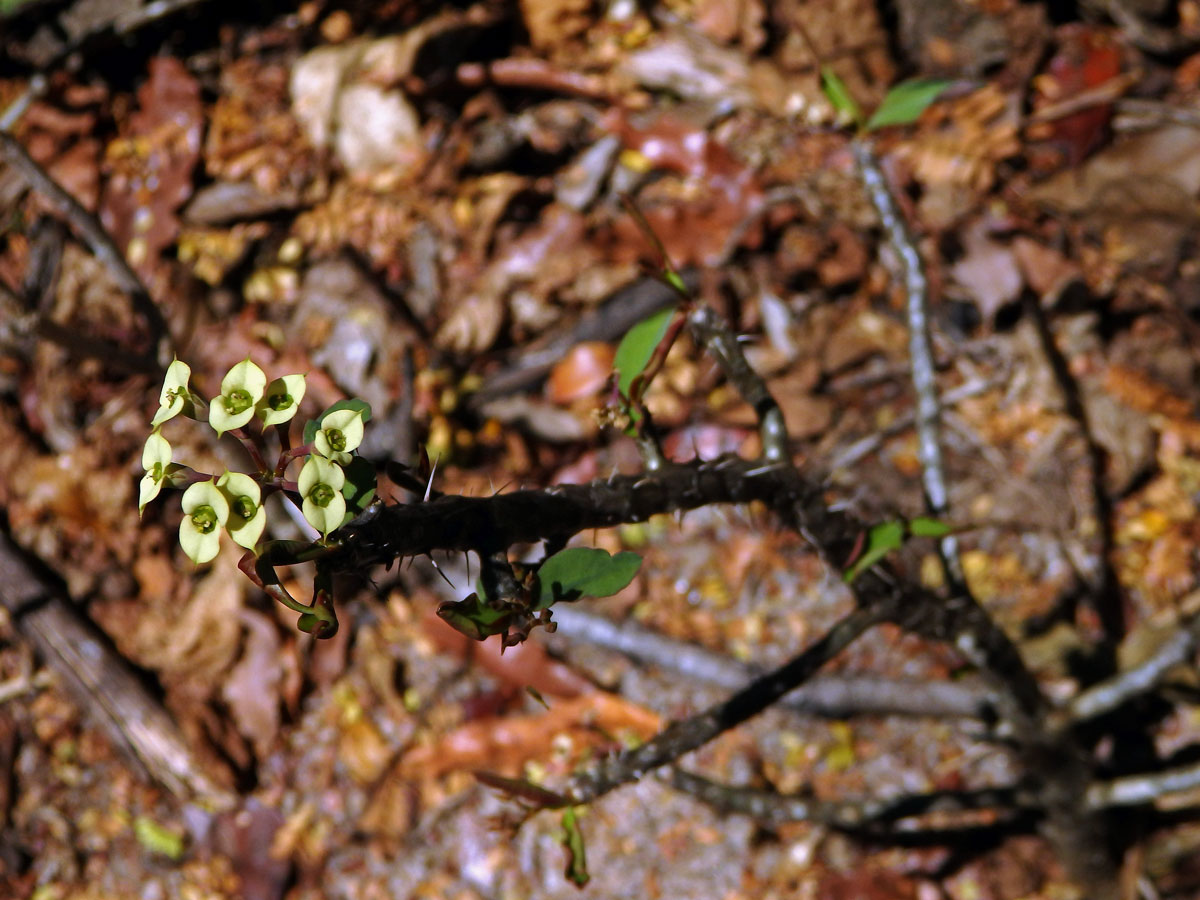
175, 397
247, 517
156, 460
281, 400
205, 513
320, 485
341, 431
241, 389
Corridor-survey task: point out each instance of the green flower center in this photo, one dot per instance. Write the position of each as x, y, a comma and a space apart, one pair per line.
157, 473
204, 519
172, 396
280, 402
337, 440
238, 401
245, 507
321, 495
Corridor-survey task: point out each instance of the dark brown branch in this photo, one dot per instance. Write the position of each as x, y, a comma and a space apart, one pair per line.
871, 816
488, 524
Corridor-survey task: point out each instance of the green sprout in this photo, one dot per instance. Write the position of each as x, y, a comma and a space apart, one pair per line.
175, 397
205, 513
281, 400
340, 432
241, 389
247, 518
320, 486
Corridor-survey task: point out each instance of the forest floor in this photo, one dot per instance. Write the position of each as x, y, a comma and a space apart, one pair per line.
419, 205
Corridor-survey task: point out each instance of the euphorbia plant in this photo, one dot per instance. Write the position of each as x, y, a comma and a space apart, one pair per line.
331, 488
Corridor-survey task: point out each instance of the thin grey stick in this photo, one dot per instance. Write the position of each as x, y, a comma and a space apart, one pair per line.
12, 114
684, 736
1112, 693
830, 696
1134, 790
911, 273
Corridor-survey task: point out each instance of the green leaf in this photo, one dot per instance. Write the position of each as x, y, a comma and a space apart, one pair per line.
572, 841
882, 539
360, 406
839, 95
359, 489
671, 277
474, 617
905, 102
637, 348
156, 838
584, 572
924, 526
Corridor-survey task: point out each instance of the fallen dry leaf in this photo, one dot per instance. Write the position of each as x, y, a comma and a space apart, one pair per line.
251, 689
152, 163
503, 745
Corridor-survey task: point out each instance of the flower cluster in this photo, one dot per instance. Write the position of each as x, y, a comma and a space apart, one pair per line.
233, 501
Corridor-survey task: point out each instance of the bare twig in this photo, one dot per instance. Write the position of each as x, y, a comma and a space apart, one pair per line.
872, 816
711, 333
1109, 695
831, 696
685, 736
13, 112
1106, 588
911, 274
1134, 790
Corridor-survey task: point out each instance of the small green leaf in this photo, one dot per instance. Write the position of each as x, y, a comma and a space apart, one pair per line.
584, 572
474, 618
905, 102
637, 347
672, 278
839, 95
572, 841
882, 539
924, 526
359, 489
156, 838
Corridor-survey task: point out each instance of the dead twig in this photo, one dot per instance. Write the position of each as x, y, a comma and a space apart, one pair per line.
829, 696
682, 737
